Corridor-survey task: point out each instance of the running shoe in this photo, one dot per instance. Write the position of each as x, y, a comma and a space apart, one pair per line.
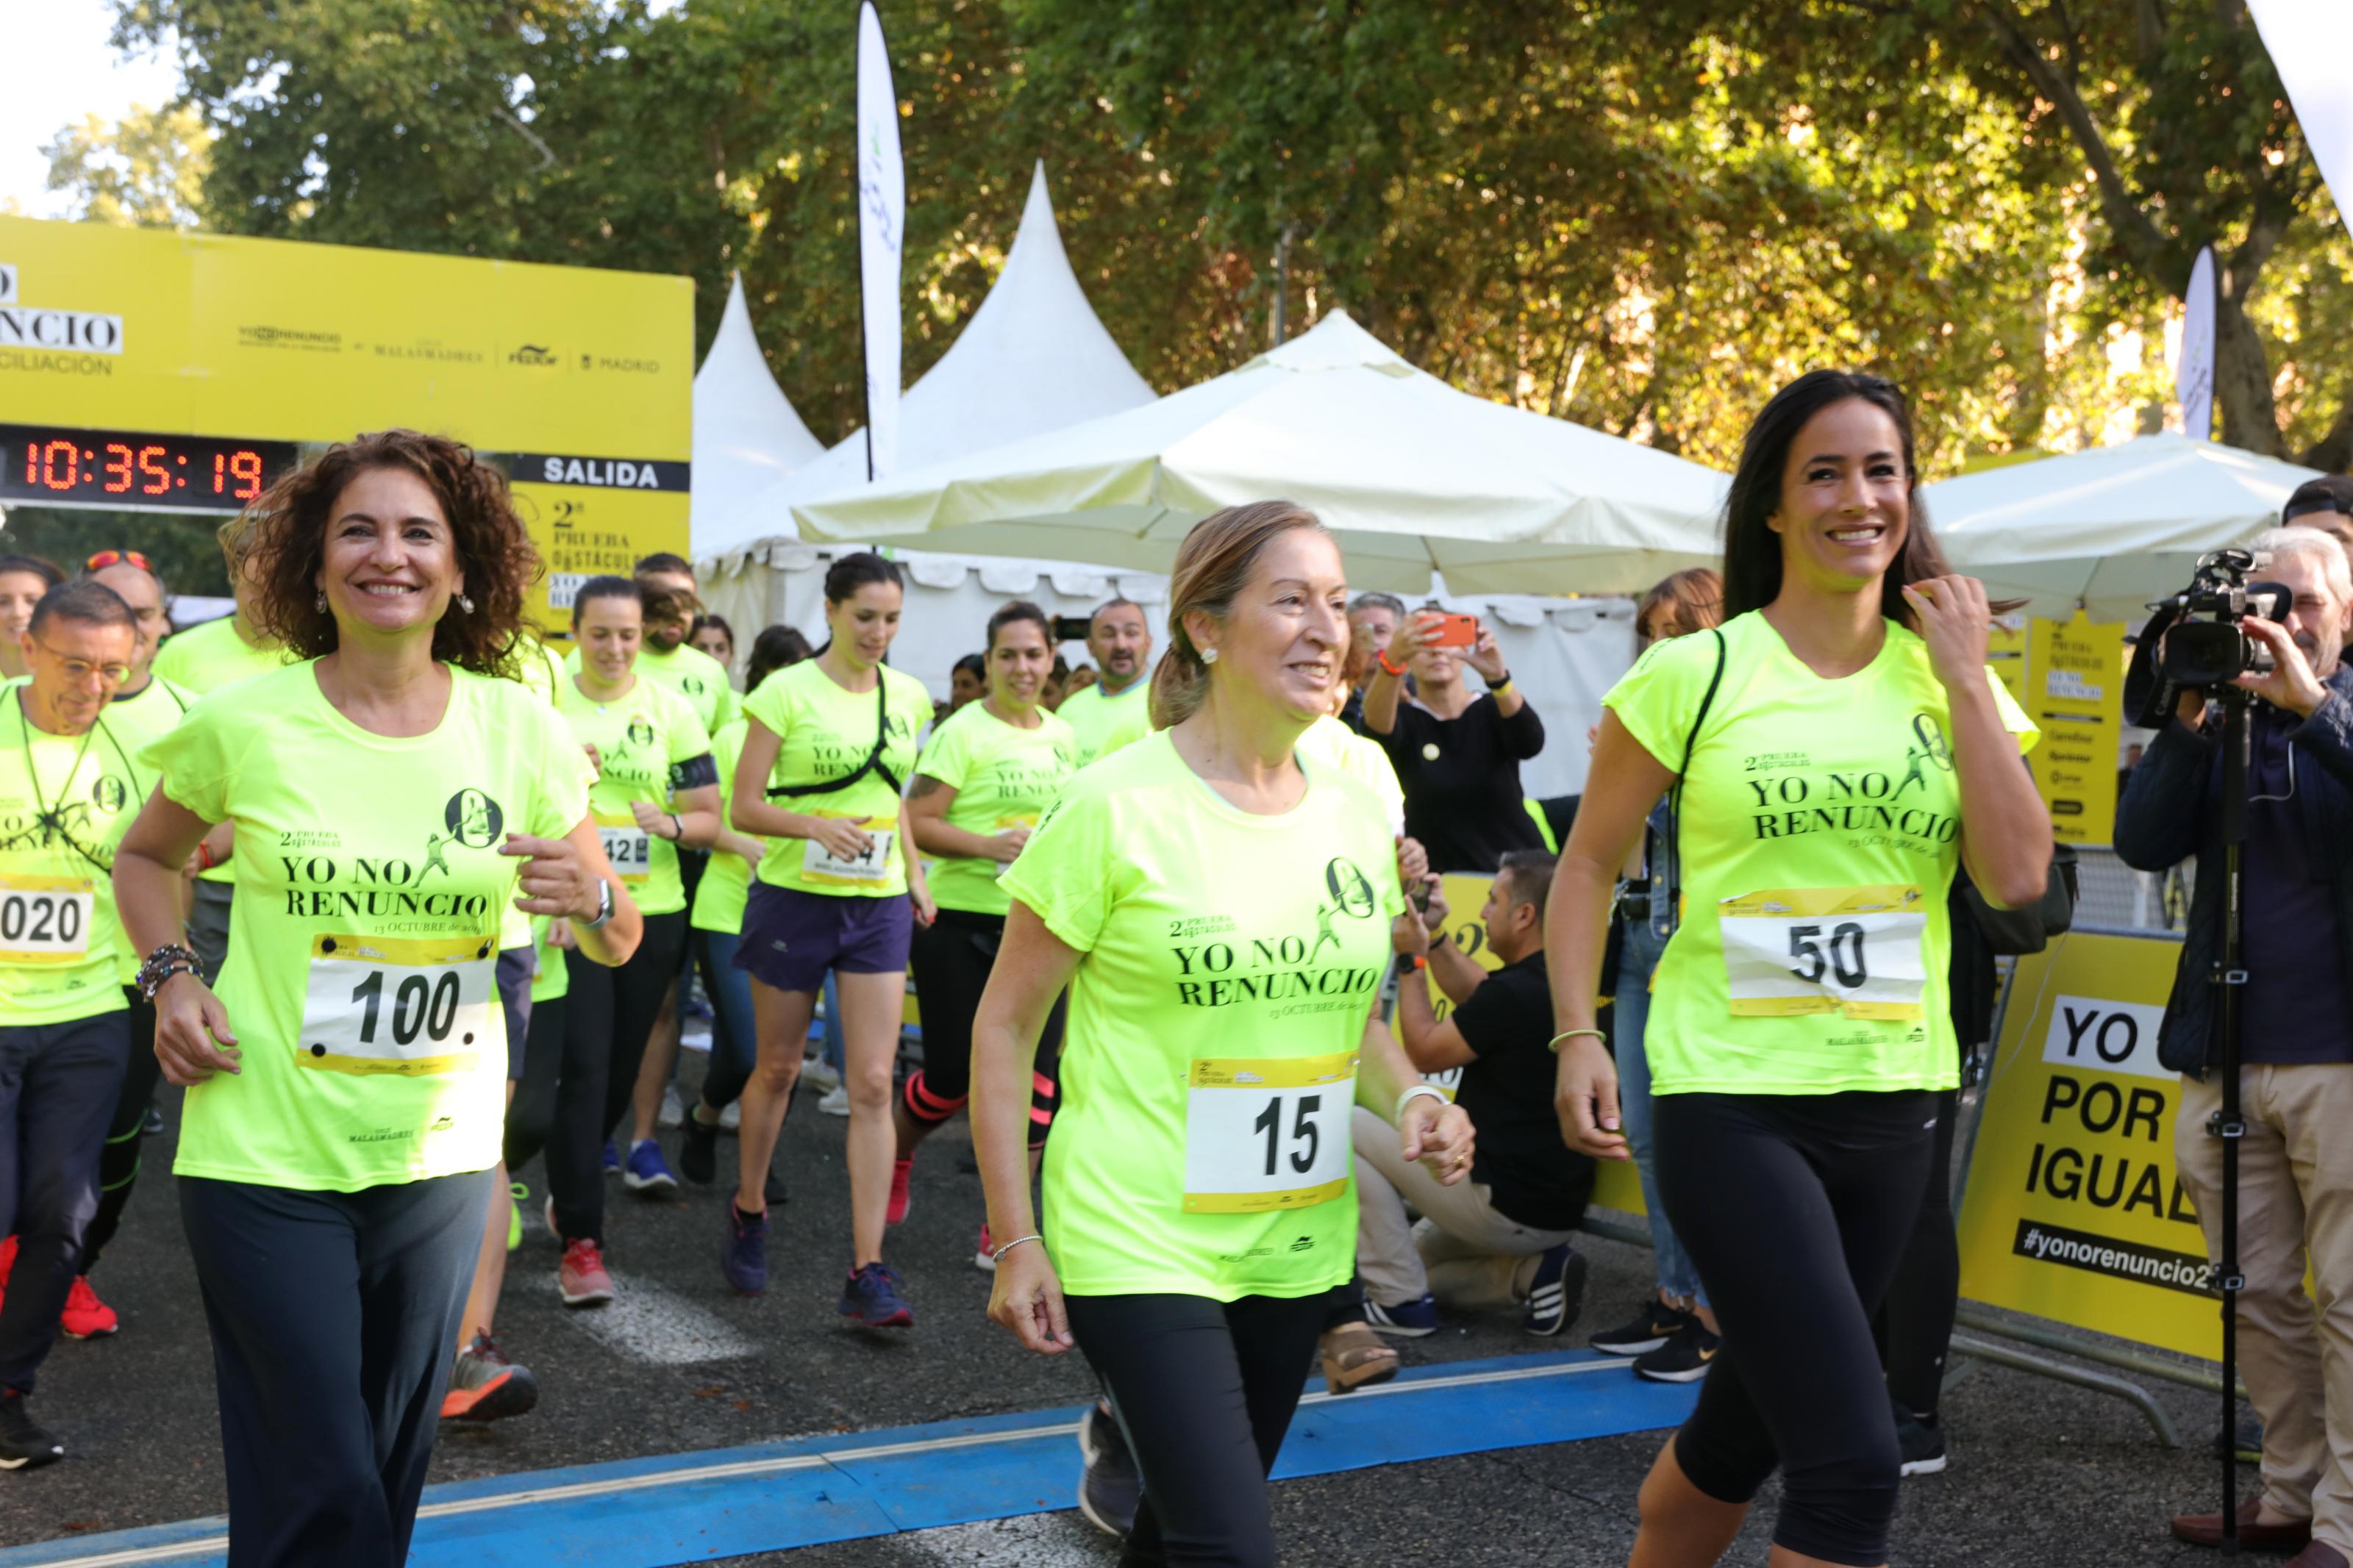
1648, 1330
772, 1190
612, 1159
1684, 1358
484, 1385
550, 1217
648, 1170
1407, 1319
152, 1125
871, 1296
820, 1074
834, 1101
731, 1118
673, 1110
1921, 1440
698, 1151
1555, 1292
984, 1257
85, 1316
901, 1171
1109, 1486
581, 1279
517, 1195
24, 1443
743, 1254
7, 1259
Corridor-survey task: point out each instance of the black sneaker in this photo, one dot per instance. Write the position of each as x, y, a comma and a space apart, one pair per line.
151, 1124
2244, 1442
1921, 1440
1109, 1487
698, 1149
1407, 1319
1646, 1330
24, 1444
1684, 1358
773, 1189
1555, 1292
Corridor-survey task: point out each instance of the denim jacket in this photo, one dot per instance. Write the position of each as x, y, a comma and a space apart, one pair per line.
2167, 814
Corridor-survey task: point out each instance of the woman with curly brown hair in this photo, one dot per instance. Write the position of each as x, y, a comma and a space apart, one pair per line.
393, 796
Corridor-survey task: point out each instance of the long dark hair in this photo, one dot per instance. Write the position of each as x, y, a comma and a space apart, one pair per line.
1752, 550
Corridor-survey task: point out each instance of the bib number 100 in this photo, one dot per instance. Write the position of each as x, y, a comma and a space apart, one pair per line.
407, 1006
420, 1006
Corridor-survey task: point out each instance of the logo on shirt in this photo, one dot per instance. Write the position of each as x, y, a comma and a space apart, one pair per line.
473, 819
109, 794
640, 732
1929, 747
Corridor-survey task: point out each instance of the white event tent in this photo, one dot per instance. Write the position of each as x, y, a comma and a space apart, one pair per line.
2112, 527
1411, 473
746, 434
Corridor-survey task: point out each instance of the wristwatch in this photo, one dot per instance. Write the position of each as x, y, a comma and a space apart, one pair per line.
604, 907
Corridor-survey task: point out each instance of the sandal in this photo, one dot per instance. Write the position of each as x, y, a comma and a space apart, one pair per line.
1354, 1356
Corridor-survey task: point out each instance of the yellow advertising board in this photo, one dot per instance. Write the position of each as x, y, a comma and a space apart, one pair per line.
152, 369
1615, 1186
2006, 654
2073, 1211
2075, 690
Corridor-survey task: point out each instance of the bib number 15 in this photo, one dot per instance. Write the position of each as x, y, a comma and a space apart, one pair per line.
1267, 1133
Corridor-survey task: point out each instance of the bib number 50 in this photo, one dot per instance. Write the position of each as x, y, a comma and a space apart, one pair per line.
1841, 955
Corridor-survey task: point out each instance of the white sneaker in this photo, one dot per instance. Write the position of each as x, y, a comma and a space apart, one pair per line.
836, 1101
821, 1073
673, 1110
733, 1117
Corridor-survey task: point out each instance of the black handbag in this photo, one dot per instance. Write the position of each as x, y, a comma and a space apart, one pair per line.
2013, 933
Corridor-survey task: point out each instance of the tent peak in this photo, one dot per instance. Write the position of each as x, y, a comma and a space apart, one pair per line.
1336, 342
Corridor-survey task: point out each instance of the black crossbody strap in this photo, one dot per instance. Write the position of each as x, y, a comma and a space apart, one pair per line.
1675, 851
872, 765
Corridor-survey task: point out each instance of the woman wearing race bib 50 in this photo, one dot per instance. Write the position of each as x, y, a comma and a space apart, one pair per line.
347, 1085
828, 745
1218, 901
1841, 747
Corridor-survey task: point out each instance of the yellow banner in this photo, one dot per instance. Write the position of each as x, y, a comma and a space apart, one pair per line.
2006, 653
2073, 1211
2075, 677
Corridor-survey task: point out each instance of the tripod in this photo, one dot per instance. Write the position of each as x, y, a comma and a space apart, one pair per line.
2230, 981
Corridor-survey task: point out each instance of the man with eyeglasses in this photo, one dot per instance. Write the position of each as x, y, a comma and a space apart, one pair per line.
67, 795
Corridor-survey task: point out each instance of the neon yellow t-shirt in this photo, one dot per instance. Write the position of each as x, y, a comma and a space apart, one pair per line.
541, 673
1362, 760
363, 942
693, 674
1102, 724
134, 721
1229, 964
65, 803
1004, 778
553, 979
640, 740
1821, 829
206, 658
824, 732
727, 883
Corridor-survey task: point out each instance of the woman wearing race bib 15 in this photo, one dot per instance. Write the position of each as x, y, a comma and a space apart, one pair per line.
347, 1085
827, 746
1218, 902
1841, 747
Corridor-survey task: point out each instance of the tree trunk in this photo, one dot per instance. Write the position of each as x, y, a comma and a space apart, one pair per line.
2242, 379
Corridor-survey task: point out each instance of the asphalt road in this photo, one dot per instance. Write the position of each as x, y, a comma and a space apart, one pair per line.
2042, 1473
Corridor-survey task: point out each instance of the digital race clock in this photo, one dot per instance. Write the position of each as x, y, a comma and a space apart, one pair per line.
48, 465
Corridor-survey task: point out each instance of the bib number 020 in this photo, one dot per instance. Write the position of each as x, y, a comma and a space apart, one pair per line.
1267, 1133
45, 920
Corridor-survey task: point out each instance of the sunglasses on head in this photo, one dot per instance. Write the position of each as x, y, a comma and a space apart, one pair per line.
106, 558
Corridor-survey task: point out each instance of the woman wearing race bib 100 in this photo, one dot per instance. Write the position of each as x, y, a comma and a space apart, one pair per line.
827, 745
348, 1083
1842, 747
1218, 901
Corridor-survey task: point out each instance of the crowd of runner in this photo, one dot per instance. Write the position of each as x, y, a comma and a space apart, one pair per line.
410, 899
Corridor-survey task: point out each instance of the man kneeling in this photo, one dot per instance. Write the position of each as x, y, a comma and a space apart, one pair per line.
1500, 1239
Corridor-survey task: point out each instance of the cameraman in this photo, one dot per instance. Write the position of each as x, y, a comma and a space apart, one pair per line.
2295, 1164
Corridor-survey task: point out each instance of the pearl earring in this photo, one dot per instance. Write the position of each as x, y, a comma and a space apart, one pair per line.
465, 606
322, 599
1209, 656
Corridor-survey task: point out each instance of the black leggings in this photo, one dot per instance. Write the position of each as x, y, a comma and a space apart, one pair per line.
530, 1115
608, 1015
951, 960
1796, 1209
118, 1162
1205, 1391
1914, 1326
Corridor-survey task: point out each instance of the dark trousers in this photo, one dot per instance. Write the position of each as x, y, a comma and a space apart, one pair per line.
608, 1015
1915, 1323
734, 1043
118, 1162
530, 1115
332, 1315
58, 1084
1205, 1391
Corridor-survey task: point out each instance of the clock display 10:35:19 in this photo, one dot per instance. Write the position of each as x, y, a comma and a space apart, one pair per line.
120, 468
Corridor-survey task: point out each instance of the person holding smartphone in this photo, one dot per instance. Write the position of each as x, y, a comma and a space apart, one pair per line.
1457, 753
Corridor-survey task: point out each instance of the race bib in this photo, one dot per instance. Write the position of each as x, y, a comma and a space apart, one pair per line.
45, 920
1859, 951
1264, 1135
629, 846
410, 1006
819, 864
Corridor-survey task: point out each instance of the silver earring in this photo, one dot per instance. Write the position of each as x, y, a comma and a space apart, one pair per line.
1209, 656
465, 606
322, 598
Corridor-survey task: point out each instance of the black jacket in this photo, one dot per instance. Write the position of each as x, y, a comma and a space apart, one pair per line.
2167, 814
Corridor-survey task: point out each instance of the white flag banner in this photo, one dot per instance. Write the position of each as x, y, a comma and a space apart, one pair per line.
2193, 372
2311, 45
882, 220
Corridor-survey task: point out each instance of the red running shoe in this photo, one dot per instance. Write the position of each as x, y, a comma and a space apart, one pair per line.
85, 1316
581, 1278
900, 1170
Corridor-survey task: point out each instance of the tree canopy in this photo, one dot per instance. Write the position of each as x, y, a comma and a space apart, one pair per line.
1643, 214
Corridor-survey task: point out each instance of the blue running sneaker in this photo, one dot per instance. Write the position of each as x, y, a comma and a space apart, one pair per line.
612, 1159
871, 1296
744, 1255
1557, 1291
1406, 1321
648, 1170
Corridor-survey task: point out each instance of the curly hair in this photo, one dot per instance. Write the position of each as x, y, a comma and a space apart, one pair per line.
284, 533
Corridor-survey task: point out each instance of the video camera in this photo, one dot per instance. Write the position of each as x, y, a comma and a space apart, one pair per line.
2198, 640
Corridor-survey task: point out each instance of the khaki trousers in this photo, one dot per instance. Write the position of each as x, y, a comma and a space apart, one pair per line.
1463, 1252
2295, 1203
